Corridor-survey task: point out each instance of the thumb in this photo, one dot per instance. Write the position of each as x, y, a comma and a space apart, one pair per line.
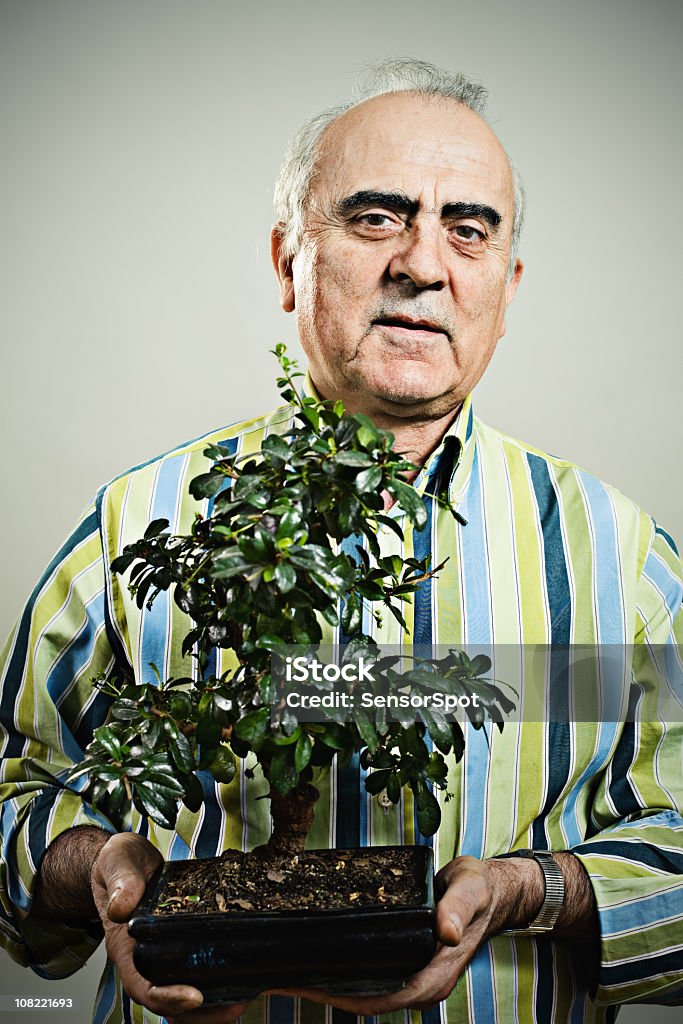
464, 895
121, 873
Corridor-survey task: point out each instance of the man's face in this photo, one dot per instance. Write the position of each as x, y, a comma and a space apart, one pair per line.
400, 285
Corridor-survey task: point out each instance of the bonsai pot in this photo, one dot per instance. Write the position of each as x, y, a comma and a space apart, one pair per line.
232, 955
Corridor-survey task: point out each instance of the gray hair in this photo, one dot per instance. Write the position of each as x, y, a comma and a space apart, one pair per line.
293, 185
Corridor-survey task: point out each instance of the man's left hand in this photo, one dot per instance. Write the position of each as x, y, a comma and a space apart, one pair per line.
477, 899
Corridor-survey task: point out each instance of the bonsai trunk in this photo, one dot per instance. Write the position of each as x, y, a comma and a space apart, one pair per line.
292, 820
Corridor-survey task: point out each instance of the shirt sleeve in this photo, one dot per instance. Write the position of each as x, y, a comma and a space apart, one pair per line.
48, 711
635, 857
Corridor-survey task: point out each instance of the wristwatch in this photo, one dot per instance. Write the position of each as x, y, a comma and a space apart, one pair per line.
553, 900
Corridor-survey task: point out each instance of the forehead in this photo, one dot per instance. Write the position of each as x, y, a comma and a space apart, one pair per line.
436, 150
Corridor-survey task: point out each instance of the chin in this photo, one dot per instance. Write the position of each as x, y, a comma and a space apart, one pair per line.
407, 403
406, 388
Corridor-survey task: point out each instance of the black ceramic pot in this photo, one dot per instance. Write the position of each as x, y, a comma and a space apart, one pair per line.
233, 957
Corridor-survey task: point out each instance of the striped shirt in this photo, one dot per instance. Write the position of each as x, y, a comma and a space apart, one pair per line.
545, 554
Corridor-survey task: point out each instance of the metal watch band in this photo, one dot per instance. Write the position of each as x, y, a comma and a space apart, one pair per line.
553, 900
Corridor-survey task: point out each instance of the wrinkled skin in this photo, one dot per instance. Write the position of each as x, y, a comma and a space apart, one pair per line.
119, 878
428, 261
472, 906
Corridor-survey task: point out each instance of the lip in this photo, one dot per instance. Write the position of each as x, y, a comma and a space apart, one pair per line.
407, 327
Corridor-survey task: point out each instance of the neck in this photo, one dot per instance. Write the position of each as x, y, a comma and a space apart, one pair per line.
416, 440
416, 436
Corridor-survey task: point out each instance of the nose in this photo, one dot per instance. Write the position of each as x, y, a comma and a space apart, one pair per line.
420, 258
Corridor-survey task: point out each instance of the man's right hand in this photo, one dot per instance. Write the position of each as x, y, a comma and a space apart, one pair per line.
119, 877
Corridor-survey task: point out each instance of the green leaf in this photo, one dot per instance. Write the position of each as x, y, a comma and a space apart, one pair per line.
367, 432
252, 728
289, 523
437, 769
208, 737
356, 459
336, 736
285, 576
181, 751
120, 564
480, 665
126, 710
368, 480
156, 803
290, 731
110, 741
394, 787
156, 527
181, 707
366, 730
391, 524
283, 775
411, 502
269, 642
218, 452
413, 743
383, 758
193, 797
303, 751
398, 616
164, 782
257, 548
277, 446
351, 615
458, 741
223, 767
225, 568
206, 485
428, 812
313, 417
439, 729
330, 614
376, 781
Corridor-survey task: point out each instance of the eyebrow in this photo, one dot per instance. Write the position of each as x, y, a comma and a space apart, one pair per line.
399, 202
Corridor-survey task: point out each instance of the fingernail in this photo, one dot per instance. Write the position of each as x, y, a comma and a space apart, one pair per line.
113, 896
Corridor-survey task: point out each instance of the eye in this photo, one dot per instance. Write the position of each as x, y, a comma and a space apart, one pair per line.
375, 220
377, 224
469, 233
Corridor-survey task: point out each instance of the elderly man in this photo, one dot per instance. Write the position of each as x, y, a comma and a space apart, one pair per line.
396, 247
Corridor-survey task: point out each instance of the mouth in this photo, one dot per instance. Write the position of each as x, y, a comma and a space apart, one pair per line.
407, 327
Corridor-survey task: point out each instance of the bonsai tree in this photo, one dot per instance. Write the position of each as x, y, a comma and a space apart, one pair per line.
263, 571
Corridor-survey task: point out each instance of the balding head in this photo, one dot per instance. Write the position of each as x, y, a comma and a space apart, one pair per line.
292, 190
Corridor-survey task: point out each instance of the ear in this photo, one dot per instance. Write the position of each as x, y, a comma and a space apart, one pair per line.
283, 268
512, 284
510, 289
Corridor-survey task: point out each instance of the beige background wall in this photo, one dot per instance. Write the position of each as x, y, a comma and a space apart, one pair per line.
140, 139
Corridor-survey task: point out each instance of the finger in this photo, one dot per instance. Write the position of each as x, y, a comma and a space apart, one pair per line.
366, 1006
121, 872
465, 894
422, 991
211, 1014
161, 999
